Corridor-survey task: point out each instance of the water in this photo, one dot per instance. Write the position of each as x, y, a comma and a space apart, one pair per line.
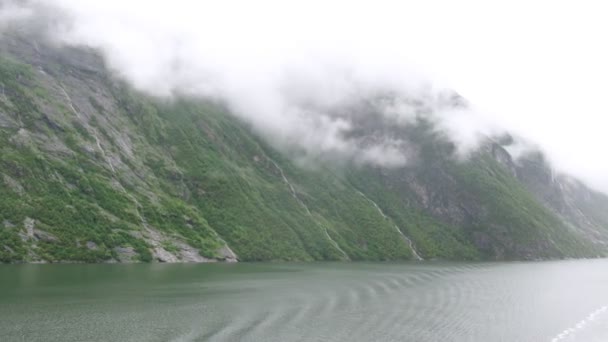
546, 301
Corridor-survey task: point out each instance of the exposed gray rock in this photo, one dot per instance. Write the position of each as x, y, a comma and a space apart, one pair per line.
76, 100
183, 253
29, 224
125, 254
156, 240
13, 184
6, 121
22, 138
163, 255
188, 253
92, 245
55, 146
227, 254
33, 234
44, 236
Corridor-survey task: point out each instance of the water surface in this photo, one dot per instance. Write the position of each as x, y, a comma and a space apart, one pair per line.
546, 301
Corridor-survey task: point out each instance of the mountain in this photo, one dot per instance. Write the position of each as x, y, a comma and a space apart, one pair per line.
92, 170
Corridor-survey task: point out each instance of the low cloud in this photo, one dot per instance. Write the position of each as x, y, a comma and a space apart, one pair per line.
13, 12
292, 69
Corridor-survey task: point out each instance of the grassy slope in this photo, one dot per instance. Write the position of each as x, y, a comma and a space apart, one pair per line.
72, 194
512, 211
485, 211
233, 180
197, 173
192, 160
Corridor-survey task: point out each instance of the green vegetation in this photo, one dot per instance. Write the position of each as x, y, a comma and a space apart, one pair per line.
512, 211
93, 185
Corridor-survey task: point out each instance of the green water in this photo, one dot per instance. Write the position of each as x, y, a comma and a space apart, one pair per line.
546, 301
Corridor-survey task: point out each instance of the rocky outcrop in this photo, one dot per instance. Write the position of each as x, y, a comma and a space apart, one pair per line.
226, 254
126, 254
92, 170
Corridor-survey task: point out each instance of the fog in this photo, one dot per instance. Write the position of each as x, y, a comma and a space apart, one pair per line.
537, 69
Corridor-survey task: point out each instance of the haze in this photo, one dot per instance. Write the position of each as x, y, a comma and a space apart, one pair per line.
537, 70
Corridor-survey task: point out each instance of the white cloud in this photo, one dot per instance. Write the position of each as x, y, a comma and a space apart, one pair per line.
11, 12
536, 68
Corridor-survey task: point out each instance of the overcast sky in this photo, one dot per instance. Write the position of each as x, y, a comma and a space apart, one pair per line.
535, 68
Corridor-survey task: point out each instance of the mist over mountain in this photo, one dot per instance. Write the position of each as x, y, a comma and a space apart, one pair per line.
291, 98
522, 70
140, 131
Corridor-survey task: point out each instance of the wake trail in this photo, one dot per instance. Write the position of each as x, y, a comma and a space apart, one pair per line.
581, 325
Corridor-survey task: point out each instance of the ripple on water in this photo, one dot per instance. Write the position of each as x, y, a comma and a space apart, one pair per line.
524, 302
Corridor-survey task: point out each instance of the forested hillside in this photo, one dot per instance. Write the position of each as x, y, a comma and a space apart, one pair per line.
94, 171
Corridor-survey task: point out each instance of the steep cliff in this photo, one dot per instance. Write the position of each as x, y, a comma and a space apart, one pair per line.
92, 170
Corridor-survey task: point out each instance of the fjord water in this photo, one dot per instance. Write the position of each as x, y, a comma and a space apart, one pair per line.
544, 301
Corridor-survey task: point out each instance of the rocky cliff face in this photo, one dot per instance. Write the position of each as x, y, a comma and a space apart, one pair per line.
579, 207
91, 170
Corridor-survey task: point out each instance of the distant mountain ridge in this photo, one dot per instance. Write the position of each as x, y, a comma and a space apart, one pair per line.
94, 171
